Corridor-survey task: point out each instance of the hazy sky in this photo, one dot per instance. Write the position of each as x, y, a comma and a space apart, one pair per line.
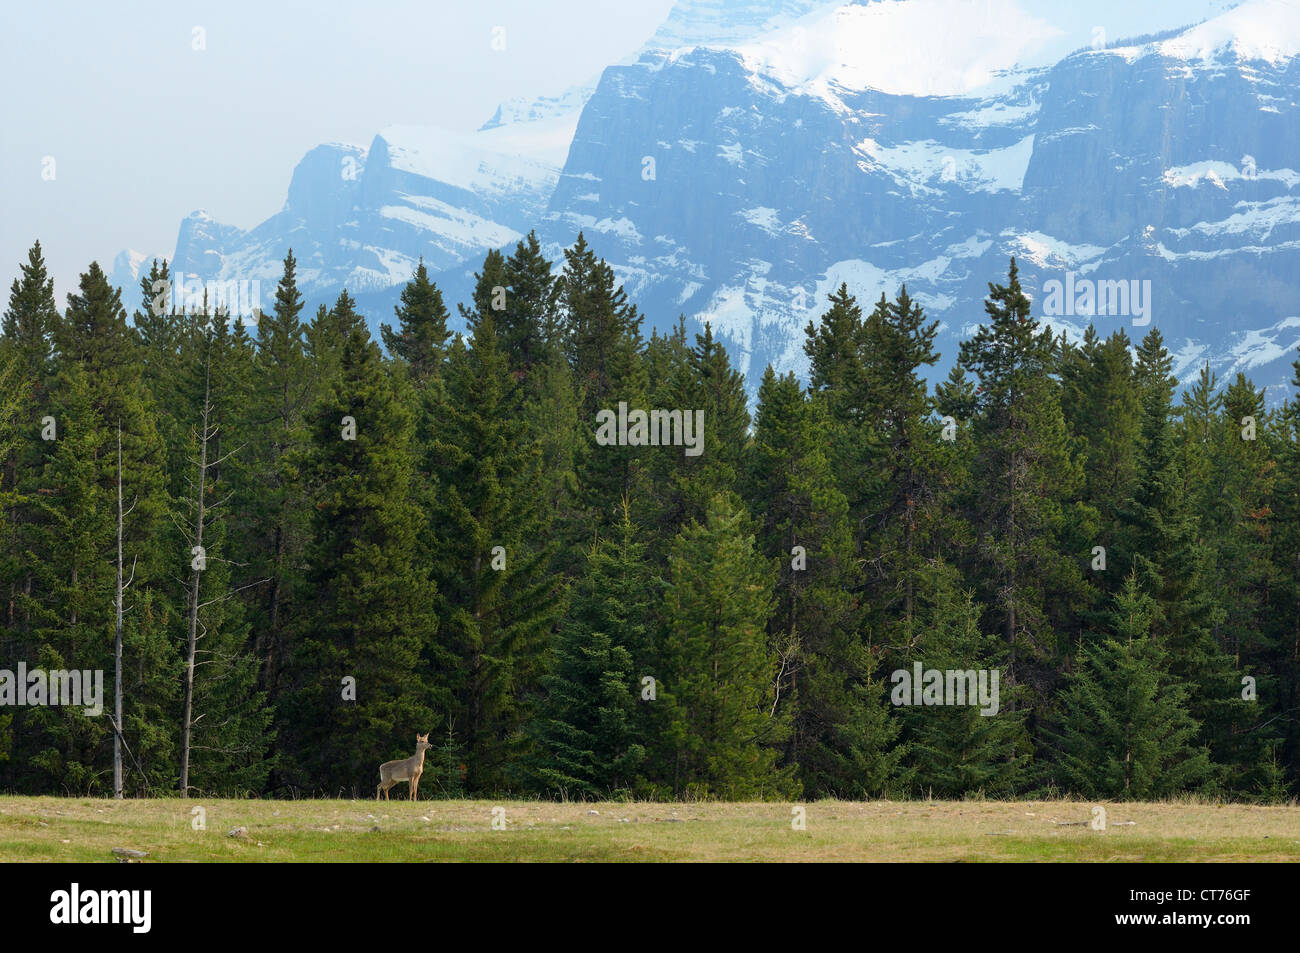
143, 128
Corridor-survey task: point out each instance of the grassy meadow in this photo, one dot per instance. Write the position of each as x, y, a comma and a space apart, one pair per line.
72, 829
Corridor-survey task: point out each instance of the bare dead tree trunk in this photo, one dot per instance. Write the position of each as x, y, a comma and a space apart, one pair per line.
195, 574
117, 646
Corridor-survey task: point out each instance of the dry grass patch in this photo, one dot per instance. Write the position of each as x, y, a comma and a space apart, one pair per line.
70, 829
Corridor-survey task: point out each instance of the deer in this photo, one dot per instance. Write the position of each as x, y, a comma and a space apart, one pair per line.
407, 769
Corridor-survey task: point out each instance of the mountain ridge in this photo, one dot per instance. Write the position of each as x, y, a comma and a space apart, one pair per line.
773, 178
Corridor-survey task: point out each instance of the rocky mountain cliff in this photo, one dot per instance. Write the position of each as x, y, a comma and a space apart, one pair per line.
753, 156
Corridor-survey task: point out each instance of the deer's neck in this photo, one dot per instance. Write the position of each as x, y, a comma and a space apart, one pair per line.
418, 758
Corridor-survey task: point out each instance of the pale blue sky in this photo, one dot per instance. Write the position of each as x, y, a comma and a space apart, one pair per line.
144, 128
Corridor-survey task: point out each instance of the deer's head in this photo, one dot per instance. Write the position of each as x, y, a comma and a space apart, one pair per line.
422, 743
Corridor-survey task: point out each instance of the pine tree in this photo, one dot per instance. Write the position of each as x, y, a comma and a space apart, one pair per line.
1023, 475
26, 356
100, 381
958, 750
902, 512
421, 336
1174, 568
589, 730
272, 524
838, 378
722, 736
224, 723
685, 483
529, 326
368, 602
489, 521
1125, 731
841, 738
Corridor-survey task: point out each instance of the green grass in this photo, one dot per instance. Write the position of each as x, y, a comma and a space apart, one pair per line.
72, 829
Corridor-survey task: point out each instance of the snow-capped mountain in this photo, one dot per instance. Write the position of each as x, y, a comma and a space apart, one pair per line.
753, 156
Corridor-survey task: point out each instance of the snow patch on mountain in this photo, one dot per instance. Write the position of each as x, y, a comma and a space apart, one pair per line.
1046, 251
1253, 220
1185, 360
498, 159
1257, 347
449, 222
525, 109
920, 164
857, 47
993, 114
1217, 174
762, 217
393, 267
1256, 31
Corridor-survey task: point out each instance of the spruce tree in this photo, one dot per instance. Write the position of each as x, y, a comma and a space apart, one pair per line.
590, 727
1023, 477
1125, 731
1102, 404
272, 522
1173, 566
841, 739
601, 337
602, 331
367, 602
28, 325
722, 736
1284, 606
100, 383
685, 483
496, 601
902, 512
421, 336
327, 337
1238, 523
837, 377
68, 602
26, 356
954, 750
529, 326
225, 721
